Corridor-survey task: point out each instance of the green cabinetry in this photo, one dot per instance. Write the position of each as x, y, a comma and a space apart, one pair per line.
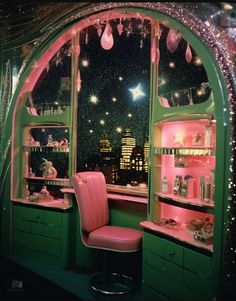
41, 233
165, 262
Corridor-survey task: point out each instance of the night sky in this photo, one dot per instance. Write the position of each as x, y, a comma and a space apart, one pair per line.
101, 78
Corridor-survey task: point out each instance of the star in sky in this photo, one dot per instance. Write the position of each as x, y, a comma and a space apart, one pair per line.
137, 92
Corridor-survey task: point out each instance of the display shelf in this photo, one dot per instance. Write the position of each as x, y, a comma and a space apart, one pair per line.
186, 151
188, 203
181, 167
57, 149
179, 233
56, 181
56, 203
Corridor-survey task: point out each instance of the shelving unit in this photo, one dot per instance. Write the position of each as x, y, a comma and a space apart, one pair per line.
181, 219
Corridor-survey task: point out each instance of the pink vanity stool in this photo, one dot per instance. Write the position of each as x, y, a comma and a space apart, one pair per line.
91, 196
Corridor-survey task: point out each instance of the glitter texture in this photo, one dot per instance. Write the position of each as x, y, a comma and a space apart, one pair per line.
201, 22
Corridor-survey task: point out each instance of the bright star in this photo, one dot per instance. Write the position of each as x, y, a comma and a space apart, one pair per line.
93, 99
85, 63
137, 92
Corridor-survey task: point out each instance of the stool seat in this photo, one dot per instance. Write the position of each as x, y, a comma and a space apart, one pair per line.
115, 238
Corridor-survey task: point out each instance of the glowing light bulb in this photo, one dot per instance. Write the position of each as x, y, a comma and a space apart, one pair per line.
119, 129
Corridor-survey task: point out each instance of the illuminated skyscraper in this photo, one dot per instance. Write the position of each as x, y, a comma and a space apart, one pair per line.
107, 160
137, 159
146, 154
105, 145
127, 145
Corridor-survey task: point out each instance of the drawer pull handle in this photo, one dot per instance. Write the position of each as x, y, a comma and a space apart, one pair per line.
36, 216
171, 254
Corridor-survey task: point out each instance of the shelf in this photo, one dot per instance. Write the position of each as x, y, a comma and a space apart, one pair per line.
56, 181
188, 151
57, 149
61, 204
188, 203
182, 167
179, 233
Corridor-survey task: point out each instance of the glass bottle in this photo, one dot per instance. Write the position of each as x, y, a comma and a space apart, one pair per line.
177, 184
165, 185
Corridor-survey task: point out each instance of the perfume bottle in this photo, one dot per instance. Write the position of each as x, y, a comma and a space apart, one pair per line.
27, 192
190, 188
50, 140
202, 187
165, 185
177, 184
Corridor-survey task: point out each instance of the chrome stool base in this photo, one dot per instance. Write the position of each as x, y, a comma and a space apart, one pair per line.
112, 284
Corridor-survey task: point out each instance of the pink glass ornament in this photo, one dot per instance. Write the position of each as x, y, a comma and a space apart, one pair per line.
120, 27
172, 40
78, 81
107, 40
99, 30
86, 38
188, 54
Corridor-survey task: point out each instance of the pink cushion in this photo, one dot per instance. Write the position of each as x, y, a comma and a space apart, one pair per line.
115, 238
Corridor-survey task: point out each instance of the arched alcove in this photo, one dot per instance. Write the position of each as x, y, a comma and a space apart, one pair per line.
219, 104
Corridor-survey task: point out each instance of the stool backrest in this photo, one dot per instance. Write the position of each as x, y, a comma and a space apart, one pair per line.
91, 197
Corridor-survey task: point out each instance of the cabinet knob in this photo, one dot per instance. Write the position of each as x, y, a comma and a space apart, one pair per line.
36, 216
171, 254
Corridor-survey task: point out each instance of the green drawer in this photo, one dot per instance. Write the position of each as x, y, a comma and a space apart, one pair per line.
173, 252
173, 271
53, 231
22, 225
201, 285
154, 261
154, 244
37, 243
30, 214
172, 289
51, 217
200, 264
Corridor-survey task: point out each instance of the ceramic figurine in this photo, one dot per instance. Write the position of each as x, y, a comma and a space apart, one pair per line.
49, 171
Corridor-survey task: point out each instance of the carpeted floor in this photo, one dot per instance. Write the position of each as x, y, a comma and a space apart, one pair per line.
18, 283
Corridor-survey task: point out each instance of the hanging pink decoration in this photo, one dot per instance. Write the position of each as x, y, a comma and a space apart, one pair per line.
172, 40
107, 40
78, 81
153, 50
120, 27
86, 37
188, 54
99, 29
